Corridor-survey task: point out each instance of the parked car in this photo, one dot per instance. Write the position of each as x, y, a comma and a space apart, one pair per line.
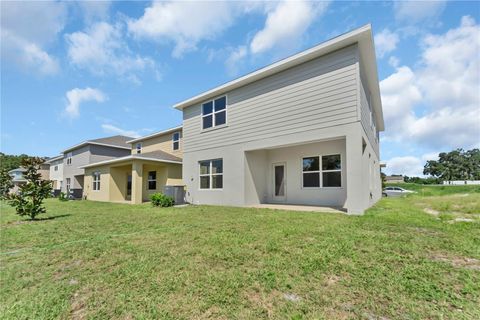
396, 192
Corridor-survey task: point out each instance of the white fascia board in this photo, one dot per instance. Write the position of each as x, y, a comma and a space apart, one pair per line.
156, 134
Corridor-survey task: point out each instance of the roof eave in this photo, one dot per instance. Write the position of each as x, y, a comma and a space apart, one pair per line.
156, 134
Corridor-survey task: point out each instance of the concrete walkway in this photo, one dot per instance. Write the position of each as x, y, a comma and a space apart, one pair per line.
294, 207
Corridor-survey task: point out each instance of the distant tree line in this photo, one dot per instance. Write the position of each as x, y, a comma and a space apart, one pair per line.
9, 162
455, 165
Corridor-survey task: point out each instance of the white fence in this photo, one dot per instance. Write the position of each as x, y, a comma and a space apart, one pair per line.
462, 182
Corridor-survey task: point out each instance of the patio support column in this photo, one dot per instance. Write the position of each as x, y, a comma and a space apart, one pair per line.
356, 187
137, 183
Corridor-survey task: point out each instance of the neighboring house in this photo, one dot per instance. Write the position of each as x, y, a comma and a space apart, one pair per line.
394, 178
56, 173
304, 130
85, 153
154, 162
17, 178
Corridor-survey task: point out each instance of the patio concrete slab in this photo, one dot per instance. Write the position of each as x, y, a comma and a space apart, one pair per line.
294, 207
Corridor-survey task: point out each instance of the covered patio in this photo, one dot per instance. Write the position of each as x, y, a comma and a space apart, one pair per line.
133, 178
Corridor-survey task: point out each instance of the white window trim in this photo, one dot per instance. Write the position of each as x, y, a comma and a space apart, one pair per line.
68, 183
69, 159
210, 175
138, 147
96, 175
151, 180
214, 125
320, 171
177, 140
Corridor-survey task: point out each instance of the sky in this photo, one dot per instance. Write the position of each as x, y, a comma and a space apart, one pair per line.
72, 71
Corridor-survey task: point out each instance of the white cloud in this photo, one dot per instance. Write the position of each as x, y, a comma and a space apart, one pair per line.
94, 10
385, 42
27, 55
413, 11
27, 28
394, 61
409, 166
234, 59
77, 96
108, 128
437, 105
101, 50
285, 24
184, 23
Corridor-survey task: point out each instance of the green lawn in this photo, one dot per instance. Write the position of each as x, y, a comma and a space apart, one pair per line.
100, 260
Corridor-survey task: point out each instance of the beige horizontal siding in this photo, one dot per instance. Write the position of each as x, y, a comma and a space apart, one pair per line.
163, 143
316, 94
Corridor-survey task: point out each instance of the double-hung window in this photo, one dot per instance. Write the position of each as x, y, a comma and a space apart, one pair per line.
325, 171
152, 180
211, 174
332, 170
214, 113
96, 181
68, 184
176, 141
55, 168
69, 158
138, 147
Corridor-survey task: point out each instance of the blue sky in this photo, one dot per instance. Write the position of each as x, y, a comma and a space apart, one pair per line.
73, 71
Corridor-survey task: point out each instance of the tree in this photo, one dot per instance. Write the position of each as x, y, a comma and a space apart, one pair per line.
455, 165
5, 184
29, 200
9, 162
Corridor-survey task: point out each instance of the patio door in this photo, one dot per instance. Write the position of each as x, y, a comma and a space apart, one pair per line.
129, 187
279, 182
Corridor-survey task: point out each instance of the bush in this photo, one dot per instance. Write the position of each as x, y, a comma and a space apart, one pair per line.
29, 200
161, 200
62, 196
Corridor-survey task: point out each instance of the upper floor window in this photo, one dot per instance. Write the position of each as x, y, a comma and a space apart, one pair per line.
325, 171
176, 140
211, 174
55, 168
214, 113
138, 147
69, 158
96, 181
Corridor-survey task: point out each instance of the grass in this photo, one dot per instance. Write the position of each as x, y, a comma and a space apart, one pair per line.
101, 260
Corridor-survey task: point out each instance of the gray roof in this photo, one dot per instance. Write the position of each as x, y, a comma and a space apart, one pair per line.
159, 155
113, 141
119, 141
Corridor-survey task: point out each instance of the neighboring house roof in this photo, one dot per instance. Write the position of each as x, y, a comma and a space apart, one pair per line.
392, 178
119, 142
156, 134
50, 160
363, 36
20, 169
157, 156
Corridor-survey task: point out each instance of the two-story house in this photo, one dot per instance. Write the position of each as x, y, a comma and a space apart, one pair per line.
304, 130
18, 175
154, 162
56, 173
85, 153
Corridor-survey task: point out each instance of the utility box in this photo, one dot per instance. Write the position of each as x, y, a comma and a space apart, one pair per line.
176, 192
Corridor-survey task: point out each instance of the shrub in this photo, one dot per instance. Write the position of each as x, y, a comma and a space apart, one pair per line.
62, 196
29, 200
5, 184
161, 200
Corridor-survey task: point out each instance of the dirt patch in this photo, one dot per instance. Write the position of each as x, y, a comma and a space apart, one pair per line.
265, 301
78, 303
425, 231
431, 211
458, 262
332, 280
461, 195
